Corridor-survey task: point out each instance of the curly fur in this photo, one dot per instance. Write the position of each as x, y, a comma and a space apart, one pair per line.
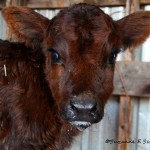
27, 116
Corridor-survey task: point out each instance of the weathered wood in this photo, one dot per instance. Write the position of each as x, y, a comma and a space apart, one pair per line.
124, 132
137, 79
2, 3
132, 6
124, 128
65, 3
19, 2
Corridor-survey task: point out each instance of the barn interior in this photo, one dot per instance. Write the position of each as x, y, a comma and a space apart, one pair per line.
126, 123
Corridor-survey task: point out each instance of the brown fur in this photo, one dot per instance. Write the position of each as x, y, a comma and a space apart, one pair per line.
37, 90
26, 104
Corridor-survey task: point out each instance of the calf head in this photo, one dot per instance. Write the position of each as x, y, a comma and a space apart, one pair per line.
80, 46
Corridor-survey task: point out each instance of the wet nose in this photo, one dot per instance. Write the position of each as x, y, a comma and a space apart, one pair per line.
86, 110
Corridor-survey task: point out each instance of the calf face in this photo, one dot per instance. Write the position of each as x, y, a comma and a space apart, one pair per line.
80, 46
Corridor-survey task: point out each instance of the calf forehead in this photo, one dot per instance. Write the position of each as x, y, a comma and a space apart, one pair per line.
82, 23
81, 28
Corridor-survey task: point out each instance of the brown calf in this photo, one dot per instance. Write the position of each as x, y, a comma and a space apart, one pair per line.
62, 84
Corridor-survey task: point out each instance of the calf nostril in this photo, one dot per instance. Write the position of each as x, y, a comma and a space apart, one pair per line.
73, 107
93, 110
91, 107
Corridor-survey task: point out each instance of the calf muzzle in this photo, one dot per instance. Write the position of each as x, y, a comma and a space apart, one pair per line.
82, 112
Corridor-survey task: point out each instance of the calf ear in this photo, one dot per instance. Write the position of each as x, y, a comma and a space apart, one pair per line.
134, 29
27, 25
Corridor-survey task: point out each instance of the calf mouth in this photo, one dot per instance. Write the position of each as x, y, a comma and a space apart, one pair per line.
81, 125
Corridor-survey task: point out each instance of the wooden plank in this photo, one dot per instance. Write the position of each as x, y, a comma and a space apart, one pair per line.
132, 6
124, 133
19, 2
137, 79
66, 3
124, 128
41, 4
2, 3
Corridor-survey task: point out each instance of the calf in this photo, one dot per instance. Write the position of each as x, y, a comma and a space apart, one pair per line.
59, 83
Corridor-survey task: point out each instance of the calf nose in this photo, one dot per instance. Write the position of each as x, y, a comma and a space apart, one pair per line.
82, 111
88, 108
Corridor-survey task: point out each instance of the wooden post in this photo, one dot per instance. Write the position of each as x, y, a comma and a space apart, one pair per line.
18, 2
124, 133
43, 4
124, 122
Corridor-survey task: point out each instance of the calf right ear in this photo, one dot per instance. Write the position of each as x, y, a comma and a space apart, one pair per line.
133, 29
27, 25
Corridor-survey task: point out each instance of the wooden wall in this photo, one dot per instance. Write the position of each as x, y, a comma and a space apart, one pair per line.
66, 3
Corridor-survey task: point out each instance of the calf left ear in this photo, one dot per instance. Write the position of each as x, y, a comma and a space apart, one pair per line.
134, 29
27, 25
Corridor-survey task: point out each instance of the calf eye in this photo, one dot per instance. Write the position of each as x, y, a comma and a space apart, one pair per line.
55, 57
113, 55
112, 58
